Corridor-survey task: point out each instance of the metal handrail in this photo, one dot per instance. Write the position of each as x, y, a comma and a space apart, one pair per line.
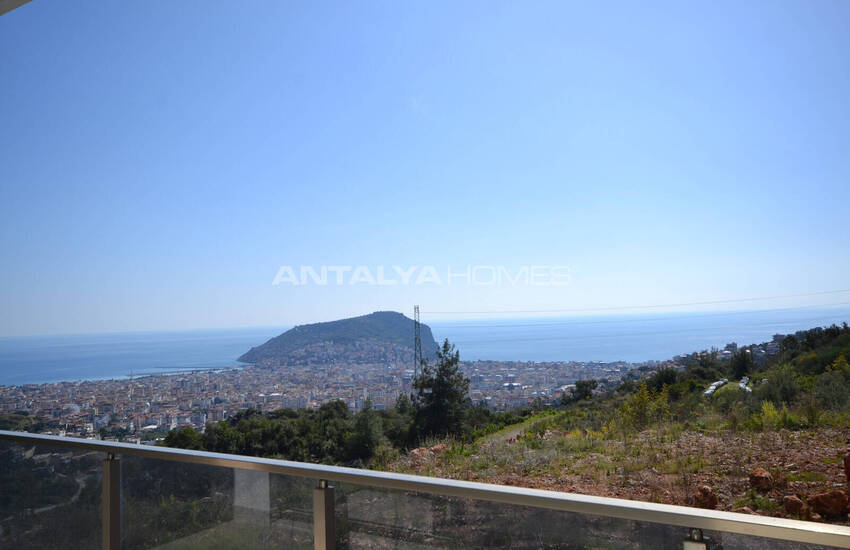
668, 514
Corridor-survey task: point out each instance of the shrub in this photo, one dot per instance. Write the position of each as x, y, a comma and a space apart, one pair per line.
644, 407
812, 411
724, 401
840, 365
767, 418
781, 387
831, 390
788, 420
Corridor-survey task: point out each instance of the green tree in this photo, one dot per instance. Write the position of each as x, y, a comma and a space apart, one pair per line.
664, 377
840, 365
185, 438
789, 343
626, 387
329, 433
582, 391
397, 421
403, 405
742, 364
781, 387
441, 398
367, 433
644, 407
831, 390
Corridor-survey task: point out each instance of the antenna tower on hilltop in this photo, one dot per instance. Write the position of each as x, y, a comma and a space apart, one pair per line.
417, 342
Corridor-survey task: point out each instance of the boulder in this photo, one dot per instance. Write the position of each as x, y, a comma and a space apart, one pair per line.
744, 510
793, 505
420, 453
830, 503
705, 498
761, 480
438, 449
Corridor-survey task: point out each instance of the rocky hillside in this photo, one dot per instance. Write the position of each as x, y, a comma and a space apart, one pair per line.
793, 474
380, 337
772, 441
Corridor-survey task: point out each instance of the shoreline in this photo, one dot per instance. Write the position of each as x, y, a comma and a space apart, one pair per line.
127, 377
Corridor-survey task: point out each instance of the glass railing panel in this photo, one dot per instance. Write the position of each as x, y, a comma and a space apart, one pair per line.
50, 497
371, 518
732, 541
174, 505
291, 506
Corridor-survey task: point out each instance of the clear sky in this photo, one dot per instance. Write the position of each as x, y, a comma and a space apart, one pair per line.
160, 161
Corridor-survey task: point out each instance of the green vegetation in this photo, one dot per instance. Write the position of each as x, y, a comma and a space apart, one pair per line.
806, 385
21, 422
654, 438
333, 435
441, 399
806, 477
659, 438
756, 502
321, 342
583, 390
49, 498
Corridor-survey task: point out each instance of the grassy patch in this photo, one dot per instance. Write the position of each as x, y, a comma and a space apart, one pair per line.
838, 459
806, 476
754, 501
689, 465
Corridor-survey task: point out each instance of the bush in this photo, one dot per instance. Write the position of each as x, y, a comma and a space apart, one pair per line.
788, 420
644, 407
781, 387
767, 418
725, 400
831, 390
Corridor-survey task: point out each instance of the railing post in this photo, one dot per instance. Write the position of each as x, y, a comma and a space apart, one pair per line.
111, 503
324, 532
695, 541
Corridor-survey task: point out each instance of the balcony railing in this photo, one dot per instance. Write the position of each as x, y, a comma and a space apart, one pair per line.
58, 492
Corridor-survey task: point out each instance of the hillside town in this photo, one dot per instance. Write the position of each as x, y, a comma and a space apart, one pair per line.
144, 408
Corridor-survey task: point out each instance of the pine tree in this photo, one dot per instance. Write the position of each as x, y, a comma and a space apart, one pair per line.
441, 398
367, 432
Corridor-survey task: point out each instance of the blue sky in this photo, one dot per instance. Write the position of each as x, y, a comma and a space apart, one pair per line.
159, 161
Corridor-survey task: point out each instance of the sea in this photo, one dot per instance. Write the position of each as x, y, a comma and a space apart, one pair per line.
632, 338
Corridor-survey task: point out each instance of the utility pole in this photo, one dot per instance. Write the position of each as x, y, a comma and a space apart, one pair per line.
417, 342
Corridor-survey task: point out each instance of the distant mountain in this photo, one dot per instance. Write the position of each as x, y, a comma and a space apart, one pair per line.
380, 337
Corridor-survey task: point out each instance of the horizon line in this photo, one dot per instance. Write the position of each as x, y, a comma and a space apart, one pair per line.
592, 313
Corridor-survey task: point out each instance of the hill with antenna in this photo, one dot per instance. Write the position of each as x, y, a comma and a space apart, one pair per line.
380, 337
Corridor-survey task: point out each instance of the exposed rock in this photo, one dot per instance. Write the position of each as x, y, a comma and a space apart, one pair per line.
793, 505
847, 467
744, 510
705, 498
420, 453
830, 504
761, 480
438, 449
811, 451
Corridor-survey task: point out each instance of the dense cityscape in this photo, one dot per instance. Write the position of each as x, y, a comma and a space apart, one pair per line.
156, 403
143, 408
